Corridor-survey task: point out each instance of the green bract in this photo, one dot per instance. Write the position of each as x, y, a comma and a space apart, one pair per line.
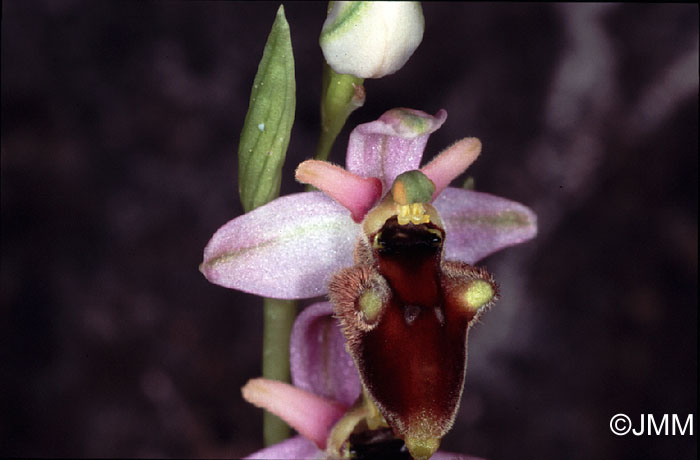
268, 123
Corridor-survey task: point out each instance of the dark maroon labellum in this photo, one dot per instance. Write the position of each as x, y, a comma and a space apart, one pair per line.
406, 313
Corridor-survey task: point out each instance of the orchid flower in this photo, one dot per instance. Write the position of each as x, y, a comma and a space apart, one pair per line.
325, 386
392, 246
290, 247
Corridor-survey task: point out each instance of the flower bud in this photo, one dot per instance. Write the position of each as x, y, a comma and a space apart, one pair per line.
371, 39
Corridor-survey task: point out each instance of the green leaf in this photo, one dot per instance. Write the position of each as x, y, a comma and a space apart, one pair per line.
268, 123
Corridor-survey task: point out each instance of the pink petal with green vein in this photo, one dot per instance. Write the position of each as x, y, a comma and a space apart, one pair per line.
320, 363
290, 449
312, 416
478, 224
357, 194
285, 249
451, 162
391, 145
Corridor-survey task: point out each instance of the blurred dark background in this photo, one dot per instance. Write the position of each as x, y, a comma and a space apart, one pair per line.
120, 125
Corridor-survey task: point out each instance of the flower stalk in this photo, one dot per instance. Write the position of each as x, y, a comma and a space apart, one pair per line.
341, 94
278, 319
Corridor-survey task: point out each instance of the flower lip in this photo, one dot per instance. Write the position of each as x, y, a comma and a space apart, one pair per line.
291, 402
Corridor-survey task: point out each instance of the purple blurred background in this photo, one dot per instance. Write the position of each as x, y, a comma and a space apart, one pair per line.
120, 125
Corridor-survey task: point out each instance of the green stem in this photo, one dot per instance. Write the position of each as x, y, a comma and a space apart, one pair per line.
278, 320
340, 96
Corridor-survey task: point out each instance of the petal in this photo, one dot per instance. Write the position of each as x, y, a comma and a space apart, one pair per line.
291, 449
357, 194
451, 162
478, 224
320, 363
391, 145
312, 416
288, 248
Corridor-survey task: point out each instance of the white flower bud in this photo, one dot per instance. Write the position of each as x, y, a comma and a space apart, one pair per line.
371, 39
